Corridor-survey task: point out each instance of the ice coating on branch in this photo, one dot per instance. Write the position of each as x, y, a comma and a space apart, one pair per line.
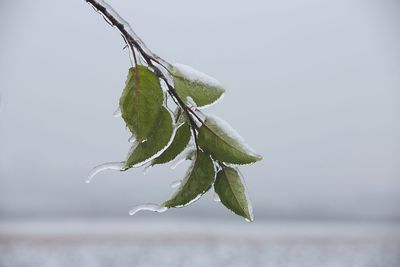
196, 76
191, 102
149, 207
232, 133
102, 167
127, 28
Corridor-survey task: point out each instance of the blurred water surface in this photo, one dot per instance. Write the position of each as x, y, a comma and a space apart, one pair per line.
191, 243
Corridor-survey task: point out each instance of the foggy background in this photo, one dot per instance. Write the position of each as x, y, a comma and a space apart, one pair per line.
312, 85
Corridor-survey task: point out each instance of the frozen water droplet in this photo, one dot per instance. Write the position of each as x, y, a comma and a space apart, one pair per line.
175, 184
216, 198
117, 113
145, 140
105, 166
149, 207
132, 139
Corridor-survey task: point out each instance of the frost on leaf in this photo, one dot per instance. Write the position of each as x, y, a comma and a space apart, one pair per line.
141, 101
197, 181
224, 143
196, 86
230, 188
179, 143
159, 138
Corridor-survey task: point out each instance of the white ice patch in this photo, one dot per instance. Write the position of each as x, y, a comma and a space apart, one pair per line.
105, 166
178, 162
132, 139
232, 133
149, 207
196, 76
190, 102
117, 113
216, 198
175, 184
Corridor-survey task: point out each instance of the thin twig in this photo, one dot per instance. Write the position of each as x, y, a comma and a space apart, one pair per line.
136, 44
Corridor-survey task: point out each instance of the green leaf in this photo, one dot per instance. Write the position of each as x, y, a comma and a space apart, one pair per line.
179, 143
141, 101
197, 181
232, 192
224, 144
202, 93
159, 138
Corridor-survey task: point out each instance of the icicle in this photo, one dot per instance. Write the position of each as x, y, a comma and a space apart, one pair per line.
149, 207
175, 184
105, 166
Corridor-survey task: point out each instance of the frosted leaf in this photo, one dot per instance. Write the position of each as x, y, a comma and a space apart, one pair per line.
148, 207
105, 166
158, 141
231, 189
180, 142
141, 101
219, 139
195, 88
197, 181
196, 76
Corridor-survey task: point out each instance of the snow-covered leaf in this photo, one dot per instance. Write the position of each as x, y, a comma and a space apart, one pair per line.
159, 138
231, 191
141, 101
224, 143
179, 143
194, 86
197, 181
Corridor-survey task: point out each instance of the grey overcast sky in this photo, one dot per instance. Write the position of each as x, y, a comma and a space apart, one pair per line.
312, 85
